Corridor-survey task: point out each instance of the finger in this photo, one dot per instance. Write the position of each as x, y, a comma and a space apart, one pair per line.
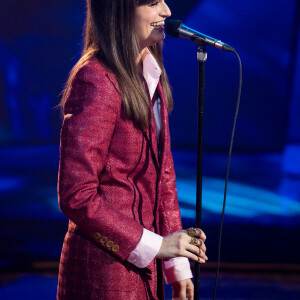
200, 233
197, 251
193, 256
200, 243
197, 233
190, 291
190, 294
182, 294
179, 291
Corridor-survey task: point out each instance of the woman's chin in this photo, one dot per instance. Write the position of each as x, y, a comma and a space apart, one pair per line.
158, 38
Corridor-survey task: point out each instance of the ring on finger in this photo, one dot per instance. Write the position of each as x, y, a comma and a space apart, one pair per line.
191, 232
194, 241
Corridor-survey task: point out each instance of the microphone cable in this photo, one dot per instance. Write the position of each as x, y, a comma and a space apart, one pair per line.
227, 172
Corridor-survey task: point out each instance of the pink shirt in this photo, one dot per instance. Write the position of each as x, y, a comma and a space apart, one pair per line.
175, 269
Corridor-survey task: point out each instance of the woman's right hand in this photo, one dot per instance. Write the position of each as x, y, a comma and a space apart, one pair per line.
179, 244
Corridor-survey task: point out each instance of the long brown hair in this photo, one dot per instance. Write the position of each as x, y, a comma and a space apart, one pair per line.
109, 36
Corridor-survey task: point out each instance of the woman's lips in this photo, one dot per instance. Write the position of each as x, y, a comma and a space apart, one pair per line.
161, 28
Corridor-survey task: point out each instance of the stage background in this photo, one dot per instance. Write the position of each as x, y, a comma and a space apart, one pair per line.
39, 44
41, 41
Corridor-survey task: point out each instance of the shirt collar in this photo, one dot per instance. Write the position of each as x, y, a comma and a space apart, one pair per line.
151, 72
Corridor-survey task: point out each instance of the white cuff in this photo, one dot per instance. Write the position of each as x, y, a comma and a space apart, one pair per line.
146, 250
177, 269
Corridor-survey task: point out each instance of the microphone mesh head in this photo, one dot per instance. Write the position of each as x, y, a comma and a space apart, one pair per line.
172, 27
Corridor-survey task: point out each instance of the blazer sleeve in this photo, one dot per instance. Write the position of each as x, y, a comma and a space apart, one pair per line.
178, 268
169, 212
90, 113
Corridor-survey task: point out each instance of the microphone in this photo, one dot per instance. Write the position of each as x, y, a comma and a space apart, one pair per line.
176, 28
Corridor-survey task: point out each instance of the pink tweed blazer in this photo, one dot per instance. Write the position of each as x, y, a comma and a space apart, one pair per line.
112, 183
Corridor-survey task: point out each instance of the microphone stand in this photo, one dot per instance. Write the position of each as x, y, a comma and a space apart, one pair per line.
201, 57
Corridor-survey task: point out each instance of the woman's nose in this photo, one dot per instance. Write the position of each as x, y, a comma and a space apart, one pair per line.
166, 12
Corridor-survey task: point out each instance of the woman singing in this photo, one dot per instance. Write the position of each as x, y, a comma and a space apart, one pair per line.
116, 175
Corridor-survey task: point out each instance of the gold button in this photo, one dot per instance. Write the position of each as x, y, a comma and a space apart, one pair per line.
104, 239
109, 244
115, 248
97, 235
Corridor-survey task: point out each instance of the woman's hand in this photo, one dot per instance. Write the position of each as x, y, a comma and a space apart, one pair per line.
179, 243
183, 289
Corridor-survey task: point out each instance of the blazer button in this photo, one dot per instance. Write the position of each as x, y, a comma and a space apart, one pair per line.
97, 235
109, 244
104, 240
115, 248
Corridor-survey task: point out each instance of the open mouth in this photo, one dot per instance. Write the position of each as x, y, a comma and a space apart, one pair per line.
158, 25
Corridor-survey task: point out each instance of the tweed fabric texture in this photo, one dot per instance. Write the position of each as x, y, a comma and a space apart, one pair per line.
112, 183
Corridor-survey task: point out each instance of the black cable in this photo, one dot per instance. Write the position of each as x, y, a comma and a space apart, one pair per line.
227, 173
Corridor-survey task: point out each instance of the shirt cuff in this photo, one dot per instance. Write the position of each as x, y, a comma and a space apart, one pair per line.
146, 250
177, 269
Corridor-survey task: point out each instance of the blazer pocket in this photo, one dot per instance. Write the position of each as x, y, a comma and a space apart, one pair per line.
107, 272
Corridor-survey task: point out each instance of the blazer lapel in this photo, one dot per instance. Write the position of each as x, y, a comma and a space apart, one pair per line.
164, 124
150, 133
151, 136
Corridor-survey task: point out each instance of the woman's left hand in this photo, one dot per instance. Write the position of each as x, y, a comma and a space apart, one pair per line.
183, 290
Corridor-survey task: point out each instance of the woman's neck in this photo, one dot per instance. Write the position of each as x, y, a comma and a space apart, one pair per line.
141, 58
